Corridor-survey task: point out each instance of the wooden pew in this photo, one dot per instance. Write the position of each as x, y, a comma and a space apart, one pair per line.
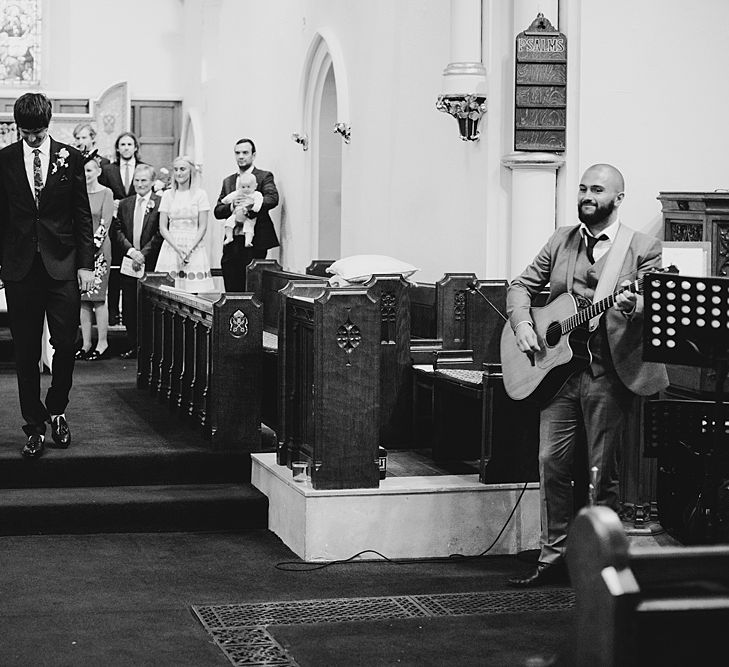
330, 377
265, 279
644, 606
446, 304
439, 310
201, 354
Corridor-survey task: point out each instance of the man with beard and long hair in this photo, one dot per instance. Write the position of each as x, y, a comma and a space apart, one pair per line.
594, 404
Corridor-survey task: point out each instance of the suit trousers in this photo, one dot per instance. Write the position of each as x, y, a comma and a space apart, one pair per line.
29, 300
112, 296
129, 306
590, 409
236, 257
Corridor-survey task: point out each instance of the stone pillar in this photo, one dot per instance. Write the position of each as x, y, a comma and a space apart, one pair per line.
533, 214
464, 79
534, 175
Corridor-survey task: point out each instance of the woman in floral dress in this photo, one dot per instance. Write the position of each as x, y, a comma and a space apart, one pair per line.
93, 302
183, 221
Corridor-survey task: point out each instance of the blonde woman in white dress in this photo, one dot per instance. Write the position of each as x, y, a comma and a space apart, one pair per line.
183, 221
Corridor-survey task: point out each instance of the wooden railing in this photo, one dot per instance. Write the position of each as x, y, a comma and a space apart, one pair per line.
201, 355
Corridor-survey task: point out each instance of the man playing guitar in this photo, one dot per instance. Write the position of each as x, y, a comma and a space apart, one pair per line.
596, 397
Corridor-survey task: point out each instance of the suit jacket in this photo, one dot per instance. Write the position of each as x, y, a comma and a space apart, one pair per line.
555, 263
122, 229
111, 177
265, 234
61, 226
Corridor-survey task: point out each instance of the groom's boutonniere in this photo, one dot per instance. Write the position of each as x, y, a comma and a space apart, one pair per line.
60, 161
150, 205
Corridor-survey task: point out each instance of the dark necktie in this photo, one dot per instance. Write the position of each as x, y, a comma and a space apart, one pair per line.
591, 241
37, 176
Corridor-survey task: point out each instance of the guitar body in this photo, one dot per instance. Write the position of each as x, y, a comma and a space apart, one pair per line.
540, 377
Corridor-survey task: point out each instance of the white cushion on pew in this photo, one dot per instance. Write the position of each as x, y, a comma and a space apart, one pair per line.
359, 268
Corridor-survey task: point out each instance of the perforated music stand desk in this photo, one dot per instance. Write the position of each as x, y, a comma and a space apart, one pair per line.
686, 321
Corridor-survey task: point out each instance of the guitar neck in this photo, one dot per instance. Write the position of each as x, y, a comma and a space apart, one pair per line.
598, 308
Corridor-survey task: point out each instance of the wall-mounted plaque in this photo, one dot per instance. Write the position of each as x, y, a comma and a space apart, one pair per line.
540, 104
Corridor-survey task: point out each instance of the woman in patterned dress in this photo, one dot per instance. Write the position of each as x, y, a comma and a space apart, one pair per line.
183, 221
93, 302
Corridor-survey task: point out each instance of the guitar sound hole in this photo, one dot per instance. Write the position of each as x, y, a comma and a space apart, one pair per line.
554, 333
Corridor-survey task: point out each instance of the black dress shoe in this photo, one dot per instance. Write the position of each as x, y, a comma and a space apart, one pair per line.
95, 355
60, 431
129, 354
544, 573
81, 354
34, 447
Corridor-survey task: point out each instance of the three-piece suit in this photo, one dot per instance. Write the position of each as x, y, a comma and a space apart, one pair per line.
596, 402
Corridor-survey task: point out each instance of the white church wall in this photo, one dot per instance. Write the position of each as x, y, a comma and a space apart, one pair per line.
90, 44
650, 100
411, 187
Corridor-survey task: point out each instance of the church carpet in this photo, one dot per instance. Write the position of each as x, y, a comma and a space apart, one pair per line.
107, 556
132, 599
133, 465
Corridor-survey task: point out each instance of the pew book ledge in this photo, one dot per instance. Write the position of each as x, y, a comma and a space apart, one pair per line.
407, 517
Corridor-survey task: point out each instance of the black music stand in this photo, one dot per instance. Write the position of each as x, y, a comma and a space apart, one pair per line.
686, 321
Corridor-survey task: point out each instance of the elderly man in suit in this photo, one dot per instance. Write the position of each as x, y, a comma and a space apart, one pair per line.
599, 398
47, 256
135, 231
236, 255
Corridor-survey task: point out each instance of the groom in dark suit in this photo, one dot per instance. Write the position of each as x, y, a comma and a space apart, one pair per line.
135, 231
47, 259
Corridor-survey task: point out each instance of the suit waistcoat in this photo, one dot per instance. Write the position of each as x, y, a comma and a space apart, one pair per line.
584, 284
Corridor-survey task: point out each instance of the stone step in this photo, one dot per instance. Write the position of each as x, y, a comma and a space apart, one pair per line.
117, 509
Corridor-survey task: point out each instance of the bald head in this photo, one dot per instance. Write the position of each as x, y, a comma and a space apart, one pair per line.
601, 193
609, 174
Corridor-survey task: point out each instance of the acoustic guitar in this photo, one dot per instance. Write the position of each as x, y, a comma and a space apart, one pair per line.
563, 334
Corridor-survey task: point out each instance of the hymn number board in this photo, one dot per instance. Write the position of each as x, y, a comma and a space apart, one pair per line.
541, 88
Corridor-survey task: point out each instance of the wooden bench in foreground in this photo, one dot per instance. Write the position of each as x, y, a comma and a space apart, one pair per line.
645, 606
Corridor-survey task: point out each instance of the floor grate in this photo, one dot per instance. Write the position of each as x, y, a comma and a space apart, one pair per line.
240, 629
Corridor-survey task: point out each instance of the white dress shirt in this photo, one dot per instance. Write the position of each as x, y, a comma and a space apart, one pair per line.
601, 247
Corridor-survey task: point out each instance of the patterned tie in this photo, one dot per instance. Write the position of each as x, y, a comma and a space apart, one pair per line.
591, 241
37, 176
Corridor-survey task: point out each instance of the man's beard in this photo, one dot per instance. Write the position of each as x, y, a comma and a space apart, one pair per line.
600, 213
